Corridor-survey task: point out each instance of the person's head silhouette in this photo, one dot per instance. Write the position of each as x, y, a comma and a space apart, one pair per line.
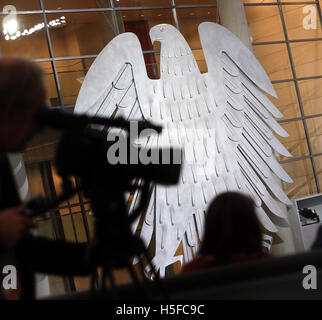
231, 227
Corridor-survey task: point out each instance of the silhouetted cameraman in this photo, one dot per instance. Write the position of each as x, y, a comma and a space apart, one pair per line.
22, 94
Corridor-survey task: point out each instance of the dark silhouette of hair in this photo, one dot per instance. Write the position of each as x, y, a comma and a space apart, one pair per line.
20, 80
231, 227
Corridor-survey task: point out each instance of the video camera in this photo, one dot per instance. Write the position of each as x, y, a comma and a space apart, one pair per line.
82, 152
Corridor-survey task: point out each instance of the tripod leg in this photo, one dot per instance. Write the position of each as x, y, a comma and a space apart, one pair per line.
133, 275
145, 280
154, 273
113, 286
156, 276
103, 280
137, 282
107, 273
92, 285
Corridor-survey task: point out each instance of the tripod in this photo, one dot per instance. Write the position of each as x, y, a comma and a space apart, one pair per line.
116, 245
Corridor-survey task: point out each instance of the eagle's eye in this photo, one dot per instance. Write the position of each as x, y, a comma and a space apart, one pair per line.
162, 28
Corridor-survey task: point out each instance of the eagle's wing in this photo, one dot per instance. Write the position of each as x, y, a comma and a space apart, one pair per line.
113, 84
237, 80
110, 87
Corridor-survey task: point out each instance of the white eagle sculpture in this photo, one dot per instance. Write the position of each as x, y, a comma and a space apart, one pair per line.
222, 119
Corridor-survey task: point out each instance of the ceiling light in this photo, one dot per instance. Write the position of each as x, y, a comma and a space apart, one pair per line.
11, 32
11, 26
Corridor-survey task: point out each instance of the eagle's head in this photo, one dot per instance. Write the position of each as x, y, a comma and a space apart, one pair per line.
164, 32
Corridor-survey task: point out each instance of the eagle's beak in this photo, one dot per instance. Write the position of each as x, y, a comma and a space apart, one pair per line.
153, 36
